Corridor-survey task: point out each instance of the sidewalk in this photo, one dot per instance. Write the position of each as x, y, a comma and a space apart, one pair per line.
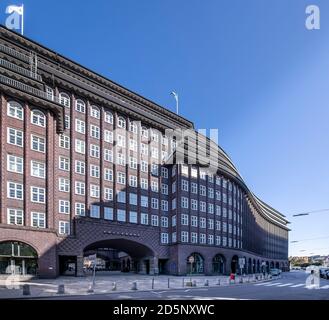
122, 283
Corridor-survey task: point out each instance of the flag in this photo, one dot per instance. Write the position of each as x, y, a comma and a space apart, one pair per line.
13, 8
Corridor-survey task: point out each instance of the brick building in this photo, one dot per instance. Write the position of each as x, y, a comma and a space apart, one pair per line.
87, 164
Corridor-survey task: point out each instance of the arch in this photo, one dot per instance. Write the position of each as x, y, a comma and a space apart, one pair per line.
38, 118
64, 99
250, 266
15, 110
254, 266
218, 264
108, 117
18, 258
272, 264
95, 112
258, 266
80, 106
267, 269
277, 265
195, 263
121, 122
234, 264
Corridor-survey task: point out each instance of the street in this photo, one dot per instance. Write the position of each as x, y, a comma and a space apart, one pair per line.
291, 286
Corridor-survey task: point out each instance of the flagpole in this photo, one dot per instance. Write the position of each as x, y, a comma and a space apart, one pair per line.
22, 19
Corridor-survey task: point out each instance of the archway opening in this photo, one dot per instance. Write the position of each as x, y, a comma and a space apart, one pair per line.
272, 264
254, 266
277, 265
250, 266
195, 264
218, 264
234, 264
258, 266
18, 258
116, 256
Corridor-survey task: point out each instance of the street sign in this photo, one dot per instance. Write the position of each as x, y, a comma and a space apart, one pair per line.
191, 259
92, 257
241, 261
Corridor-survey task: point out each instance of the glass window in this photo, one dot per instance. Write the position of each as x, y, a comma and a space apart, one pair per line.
38, 194
94, 112
15, 216
121, 196
64, 228
38, 118
15, 190
144, 218
121, 215
108, 213
80, 106
94, 191
15, 137
94, 211
64, 100
80, 188
15, 163
121, 122
80, 167
133, 217
64, 163
80, 209
15, 110
108, 117
64, 141
38, 143
64, 206
38, 220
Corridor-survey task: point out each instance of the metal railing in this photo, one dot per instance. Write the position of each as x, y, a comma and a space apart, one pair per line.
19, 70
14, 53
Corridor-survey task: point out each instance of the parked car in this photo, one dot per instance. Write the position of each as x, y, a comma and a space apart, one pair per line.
326, 274
323, 272
275, 272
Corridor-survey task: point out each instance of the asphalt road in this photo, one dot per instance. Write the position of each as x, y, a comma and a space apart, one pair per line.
291, 286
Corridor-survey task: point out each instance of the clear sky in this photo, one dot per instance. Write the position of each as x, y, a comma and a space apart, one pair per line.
247, 67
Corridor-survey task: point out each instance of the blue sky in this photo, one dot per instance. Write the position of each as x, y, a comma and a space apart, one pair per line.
247, 67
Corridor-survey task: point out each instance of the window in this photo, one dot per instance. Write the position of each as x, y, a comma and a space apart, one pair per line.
210, 224
94, 171
133, 145
173, 221
164, 188
194, 204
94, 131
218, 195
80, 126
154, 220
94, 112
194, 221
154, 153
230, 242
64, 227
121, 196
80, 209
202, 175
224, 212
210, 178
108, 136
108, 117
155, 169
164, 222
133, 181
203, 223
108, 213
224, 227
108, 194
202, 206
94, 211
144, 201
144, 218
64, 206
184, 202
133, 217
184, 219
38, 194
64, 163
80, 146
173, 171
154, 203
224, 183
210, 208
194, 237
229, 228
94, 191
164, 172
145, 132
218, 224
122, 123
15, 216
218, 181
218, 240
164, 205
64, 141
173, 204
49, 93
15, 163
38, 220
38, 118
38, 143
132, 163
203, 190
80, 188
121, 215
15, 110
202, 238
80, 106
121, 140
184, 185
164, 238
108, 155
108, 174
64, 100
185, 170
94, 151
15, 190
15, 137
133, 199
210, 239
184, 236
194, 187
133, 127
80, 167
144, 149
121, 177
194, 172
224, 241
174, 237
144, 166
211, 193
64, 185
144, 183
154, 186
154, 136
121, 159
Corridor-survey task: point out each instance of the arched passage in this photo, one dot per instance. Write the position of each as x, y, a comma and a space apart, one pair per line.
249, 266
195, 264
277, 265
218, 264
18, 258
272, 265
234, 264
258, 266
254, 266
122, 255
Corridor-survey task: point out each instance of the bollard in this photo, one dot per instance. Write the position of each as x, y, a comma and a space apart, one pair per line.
90, 289
26, 290
194, 283
206, 283
114, 286
152, 283
241, 280
183, 282
218, 282
168, 283
61, 289
134, 286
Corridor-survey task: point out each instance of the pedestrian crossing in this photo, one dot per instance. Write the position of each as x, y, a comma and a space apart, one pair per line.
287, 285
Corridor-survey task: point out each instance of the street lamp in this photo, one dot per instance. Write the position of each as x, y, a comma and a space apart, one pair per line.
177, 100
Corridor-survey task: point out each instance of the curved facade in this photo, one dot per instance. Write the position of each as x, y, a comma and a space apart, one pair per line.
89, 167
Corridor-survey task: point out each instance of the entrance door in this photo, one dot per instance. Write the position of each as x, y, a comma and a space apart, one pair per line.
67, 265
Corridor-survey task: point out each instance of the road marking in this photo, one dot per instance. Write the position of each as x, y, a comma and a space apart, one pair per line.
285, 284
260, 284
272, 284
298, 285
325, 287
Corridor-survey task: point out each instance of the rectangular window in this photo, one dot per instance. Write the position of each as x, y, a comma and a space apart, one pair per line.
164, 238
94, 131
173, 221
210, 224
64, 185
203, 175
108, 136
194, 204
144, 183
218, 195
15, 137
108, 117
121, 215
144, 218
133, 199
94, 211
144, 166
121, 196
64, 163
94, 191
154, 153
108, 194
133, 217
80, 126
218, 224
184, 202
164, 172
121, 140
210, 239
38, 194
80, 209
194, 237
133, 145
185, 170
64, 228
184, 236
194, 188
144, 149
15, 164
15, 190
218, 240
121, 177
132, 163
94, 171
184, 219
203, 191
154, 203
174, 237
164, 222
38, 143
38, 169
108, 155
80, 146
94, 151
154, 186
173, 204
121, 159
38, 220
15, 216
154, 220
210, 208
80, 188
108, 174
108, 213
184, 185
133, 181
202, 206
164, 188
80, 167
144, 201
67, 122
64, 206
202, 238
155, 169
164, 205
194, 172
194, 221
211, 193
64, 141
203, 223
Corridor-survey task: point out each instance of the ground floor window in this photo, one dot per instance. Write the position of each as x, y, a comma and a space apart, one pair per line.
218, 264
195, 264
